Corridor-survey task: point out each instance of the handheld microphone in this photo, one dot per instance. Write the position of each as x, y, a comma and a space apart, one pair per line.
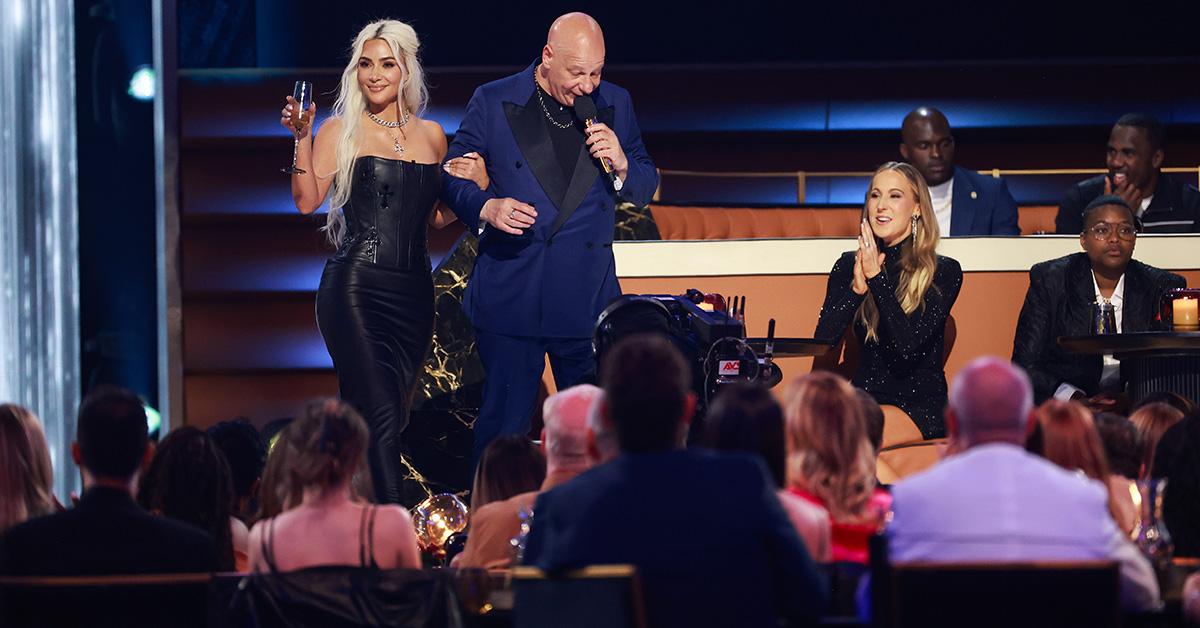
585, 110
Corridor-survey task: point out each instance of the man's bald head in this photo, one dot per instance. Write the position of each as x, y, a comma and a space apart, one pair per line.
565, 435
927, 144
990, 401
575, 30
572, 58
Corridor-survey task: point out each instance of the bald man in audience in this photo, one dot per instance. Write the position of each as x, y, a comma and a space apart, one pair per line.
566, 440
965, 203
997, 502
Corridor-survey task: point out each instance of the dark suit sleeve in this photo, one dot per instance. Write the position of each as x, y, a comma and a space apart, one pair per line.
642, 179
462, 196
902, 333
1005, 214
841, 303
1070, 213
1033, 338
800, 590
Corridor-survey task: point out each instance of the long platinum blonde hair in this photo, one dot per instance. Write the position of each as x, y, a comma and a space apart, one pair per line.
413, 96
918, 260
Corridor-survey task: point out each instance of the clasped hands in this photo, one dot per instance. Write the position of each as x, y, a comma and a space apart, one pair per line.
868, 259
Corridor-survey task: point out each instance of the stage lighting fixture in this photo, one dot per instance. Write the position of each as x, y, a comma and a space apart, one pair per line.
141, 84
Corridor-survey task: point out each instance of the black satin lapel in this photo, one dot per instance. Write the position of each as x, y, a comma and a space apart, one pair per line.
1081, 295
534, 142
586, 170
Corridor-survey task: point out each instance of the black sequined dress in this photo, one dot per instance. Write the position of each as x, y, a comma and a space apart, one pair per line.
904, 368
375, 303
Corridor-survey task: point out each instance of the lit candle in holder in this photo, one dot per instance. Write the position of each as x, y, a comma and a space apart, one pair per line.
1184, 312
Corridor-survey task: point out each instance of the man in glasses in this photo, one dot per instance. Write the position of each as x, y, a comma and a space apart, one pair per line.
1061, 295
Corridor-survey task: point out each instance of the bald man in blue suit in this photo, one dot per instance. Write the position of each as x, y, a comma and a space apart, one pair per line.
545, 268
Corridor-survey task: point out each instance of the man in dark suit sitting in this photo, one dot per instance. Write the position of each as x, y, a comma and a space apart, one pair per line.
1135, 154
965, 203
1060, 298
706, 532
107, 533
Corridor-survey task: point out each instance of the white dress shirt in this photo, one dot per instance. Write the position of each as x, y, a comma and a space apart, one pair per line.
1110, 375
942, 196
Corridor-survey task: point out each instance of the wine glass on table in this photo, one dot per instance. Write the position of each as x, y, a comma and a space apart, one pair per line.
302, 94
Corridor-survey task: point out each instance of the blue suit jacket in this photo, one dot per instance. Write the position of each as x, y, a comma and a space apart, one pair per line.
543, 284
982, 206
711, 542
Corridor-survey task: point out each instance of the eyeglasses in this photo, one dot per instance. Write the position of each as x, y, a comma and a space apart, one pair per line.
1103, 231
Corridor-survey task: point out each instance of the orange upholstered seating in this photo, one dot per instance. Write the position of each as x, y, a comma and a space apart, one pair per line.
682, 222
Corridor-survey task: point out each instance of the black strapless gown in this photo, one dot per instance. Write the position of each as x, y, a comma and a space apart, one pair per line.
375, 303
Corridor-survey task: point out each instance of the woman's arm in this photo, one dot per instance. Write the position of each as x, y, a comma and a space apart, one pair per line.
317, 158
841, 302
900, 333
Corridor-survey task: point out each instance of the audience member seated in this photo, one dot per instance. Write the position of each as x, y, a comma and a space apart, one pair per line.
1070, 440
1151, 421
708, 537
995, 501
831, 463
27, 482
107, 533
901, 327
1177, 459
1060, 298
246, 454
509, 466
873, 415
1123, 449
1173, 399
602, 438
965, 203
188, 480
1135, 154
330, 526
746, 418
565, 442
276, 492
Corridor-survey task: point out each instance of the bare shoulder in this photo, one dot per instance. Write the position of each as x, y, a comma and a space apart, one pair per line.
436, 135
332, 123
392, 517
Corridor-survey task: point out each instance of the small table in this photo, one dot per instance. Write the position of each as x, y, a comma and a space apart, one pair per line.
791, 347
1153, 361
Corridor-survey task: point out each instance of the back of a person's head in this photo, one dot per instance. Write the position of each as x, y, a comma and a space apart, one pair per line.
26, 488
1122, 446
277, 492
244, 450
565, 436
646, 384
1179, 402
1070, 439
112, 433
1177, 459
509, 465
873, 415
745, 417
990, 400
828, 453
326, 445
1152, 421
604, 438
188, 480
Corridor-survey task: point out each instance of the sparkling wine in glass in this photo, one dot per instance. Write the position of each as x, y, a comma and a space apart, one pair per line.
302, 94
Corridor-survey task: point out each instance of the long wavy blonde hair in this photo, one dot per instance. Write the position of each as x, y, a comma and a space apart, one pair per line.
918, 257
413, 96
828, 452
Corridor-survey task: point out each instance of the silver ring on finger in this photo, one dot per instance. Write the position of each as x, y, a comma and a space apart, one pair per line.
512, 214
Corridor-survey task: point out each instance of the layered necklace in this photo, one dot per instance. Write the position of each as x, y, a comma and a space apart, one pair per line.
389, 125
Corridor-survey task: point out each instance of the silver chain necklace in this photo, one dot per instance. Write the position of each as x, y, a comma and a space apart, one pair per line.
538, 90
387, 124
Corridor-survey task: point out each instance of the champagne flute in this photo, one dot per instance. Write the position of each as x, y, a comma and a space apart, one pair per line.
302, 94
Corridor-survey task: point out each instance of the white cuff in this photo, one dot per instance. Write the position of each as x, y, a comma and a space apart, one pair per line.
1066, 391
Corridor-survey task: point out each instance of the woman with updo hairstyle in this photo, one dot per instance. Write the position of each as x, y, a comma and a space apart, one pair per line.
26, 478
831, 462
378, 161
330, 526
895, 293
190, 481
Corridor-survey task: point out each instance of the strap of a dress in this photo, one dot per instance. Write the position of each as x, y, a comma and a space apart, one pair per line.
371, 539
362, 530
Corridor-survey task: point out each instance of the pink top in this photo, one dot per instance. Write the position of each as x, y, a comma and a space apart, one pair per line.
850, 540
